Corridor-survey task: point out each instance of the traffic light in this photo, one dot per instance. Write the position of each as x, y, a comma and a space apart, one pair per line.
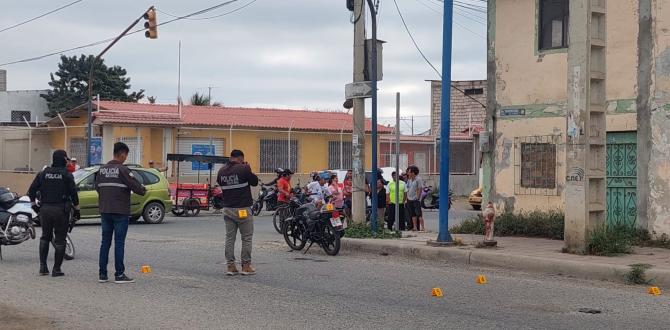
150, 24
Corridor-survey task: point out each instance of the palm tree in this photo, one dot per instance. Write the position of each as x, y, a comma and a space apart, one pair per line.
202, 99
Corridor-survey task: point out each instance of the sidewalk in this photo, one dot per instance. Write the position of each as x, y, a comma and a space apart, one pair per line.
524, 254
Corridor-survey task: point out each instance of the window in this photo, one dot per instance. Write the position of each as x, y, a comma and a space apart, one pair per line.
17, 116
78, 150
135, 146
150, 178
461, 157
553, 24
275, 153
474, 91
337, 161
538, 165
87, 184
138, 176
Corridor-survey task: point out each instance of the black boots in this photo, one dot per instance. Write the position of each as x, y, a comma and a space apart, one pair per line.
58, 260
44, 252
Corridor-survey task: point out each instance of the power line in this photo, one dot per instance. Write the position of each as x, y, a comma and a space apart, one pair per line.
40, 16
215, 16
199, 12
409, 33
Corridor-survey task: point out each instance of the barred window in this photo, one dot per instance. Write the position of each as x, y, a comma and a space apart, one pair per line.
538, 165
78, 150
275, 153
337, 161
461, 157
135, 146
17, 116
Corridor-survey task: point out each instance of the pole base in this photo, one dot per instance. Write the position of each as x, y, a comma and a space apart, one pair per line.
439, 244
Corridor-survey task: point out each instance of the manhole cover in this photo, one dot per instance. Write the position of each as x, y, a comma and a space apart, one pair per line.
589, 311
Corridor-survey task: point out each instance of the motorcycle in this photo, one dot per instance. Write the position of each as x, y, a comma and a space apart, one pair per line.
268, 196
313, 225
430, 199
17, 224
286, 211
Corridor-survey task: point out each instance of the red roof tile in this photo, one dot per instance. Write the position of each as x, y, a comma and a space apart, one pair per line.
162, 114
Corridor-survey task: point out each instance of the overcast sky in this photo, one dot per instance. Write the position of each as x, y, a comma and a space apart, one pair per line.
273, 53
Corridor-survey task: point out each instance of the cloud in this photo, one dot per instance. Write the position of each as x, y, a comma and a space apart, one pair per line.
289, 54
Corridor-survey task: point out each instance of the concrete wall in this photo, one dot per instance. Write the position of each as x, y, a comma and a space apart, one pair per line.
28, 100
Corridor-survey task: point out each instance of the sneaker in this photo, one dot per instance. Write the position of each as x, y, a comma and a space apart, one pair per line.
247, 270
103, 279
232, 270
123, 279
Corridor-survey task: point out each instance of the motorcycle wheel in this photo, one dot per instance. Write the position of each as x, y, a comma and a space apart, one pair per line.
427, 202
256, 208
279, 218
294, 234
178, 211
331, 241
69, 248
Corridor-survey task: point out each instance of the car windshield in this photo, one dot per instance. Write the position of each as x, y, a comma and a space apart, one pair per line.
80, 174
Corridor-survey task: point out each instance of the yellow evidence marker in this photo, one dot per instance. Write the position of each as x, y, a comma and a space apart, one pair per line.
242, 213
145, 269
654, 290
437, 292
481, 279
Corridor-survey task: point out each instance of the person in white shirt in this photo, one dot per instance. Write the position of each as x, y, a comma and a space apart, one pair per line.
317, 190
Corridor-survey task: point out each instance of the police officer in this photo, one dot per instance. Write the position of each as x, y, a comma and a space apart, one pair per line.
114, 183
58, 195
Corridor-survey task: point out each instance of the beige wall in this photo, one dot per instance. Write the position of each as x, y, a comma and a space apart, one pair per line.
526, 76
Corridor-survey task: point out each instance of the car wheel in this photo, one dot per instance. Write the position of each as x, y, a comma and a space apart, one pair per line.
154, 213
476, 207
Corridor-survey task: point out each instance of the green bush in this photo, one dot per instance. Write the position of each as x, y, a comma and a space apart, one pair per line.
361, 230
637, 274
526, 224
612, 239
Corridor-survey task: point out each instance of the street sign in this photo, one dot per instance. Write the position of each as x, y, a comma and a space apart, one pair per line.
358, 90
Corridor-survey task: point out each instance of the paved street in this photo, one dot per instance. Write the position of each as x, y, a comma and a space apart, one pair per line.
187, 289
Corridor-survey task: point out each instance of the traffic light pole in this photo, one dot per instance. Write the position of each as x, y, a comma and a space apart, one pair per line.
90, 84
443, 234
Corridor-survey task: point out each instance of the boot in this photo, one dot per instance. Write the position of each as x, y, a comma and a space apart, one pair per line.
59, 255
44, 252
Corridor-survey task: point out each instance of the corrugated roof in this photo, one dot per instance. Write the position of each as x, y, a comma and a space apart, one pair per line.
164, 114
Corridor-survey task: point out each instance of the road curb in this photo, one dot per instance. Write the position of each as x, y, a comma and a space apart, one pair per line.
579, 269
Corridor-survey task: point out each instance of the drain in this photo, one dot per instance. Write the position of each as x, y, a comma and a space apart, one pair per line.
590, 311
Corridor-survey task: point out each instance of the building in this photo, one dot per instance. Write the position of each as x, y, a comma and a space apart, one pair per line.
152, 131
17, 107
467, 100
528, 75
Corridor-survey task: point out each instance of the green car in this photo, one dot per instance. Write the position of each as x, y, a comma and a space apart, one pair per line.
152, 206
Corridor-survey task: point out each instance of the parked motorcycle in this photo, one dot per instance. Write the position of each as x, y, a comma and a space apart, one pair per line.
313, 225
284, 212
430, 199
17, 222
267, 197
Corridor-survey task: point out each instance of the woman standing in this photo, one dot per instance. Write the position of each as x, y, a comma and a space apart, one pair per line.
336, 192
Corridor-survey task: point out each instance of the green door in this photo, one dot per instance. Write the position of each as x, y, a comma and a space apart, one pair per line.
621, 177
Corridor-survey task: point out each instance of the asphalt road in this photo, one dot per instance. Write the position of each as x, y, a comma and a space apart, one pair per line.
187, 289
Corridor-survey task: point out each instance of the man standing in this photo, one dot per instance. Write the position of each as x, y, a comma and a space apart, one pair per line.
400, 190
114, 183
235, 179
58, 195
414, 189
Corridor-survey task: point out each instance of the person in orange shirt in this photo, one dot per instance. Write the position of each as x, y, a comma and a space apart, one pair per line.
284, 187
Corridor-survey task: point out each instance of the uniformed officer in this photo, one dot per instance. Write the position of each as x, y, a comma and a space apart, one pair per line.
114, 184
58, 195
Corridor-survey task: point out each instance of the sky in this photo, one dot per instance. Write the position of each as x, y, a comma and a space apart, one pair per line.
294, 54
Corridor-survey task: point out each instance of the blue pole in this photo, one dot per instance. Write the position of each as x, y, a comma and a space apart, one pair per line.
443, 235
373, 180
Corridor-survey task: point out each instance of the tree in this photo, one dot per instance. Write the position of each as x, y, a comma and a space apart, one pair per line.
151, 99
202, 99
70, 84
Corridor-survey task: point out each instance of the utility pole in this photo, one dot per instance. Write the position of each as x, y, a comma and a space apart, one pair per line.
359, 202
397, 161
585, 202
444, 238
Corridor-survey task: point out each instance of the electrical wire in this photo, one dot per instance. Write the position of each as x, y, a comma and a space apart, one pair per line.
215, 16
112, 38
40, 16
409, 33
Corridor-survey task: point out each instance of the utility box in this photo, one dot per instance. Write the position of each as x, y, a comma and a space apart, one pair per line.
485, 141
368, 59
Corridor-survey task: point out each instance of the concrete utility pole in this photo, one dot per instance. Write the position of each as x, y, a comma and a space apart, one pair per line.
585, 202
358, 138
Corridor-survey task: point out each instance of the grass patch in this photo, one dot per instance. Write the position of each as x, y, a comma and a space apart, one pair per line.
611, 240
525, 224
361, 230
653, 240
637, 275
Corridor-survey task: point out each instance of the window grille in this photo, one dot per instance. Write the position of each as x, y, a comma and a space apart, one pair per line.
274, 154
